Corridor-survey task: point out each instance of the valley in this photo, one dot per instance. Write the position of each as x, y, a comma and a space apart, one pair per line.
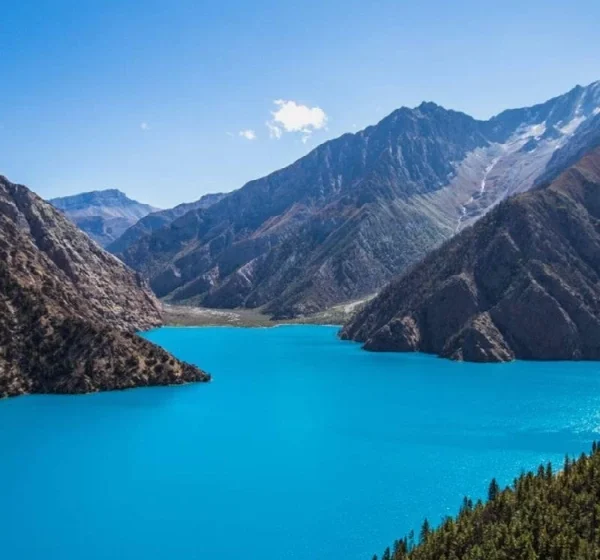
194, 316
357, 211
300, 280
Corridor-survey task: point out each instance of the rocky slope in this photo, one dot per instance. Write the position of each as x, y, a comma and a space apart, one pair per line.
69, 310
158, 220
342, 221
523, 282
103, 215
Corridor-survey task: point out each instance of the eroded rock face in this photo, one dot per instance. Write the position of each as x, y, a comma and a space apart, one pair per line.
345, 219
524, 282
331, 227
401, 334
479, 341
69, 310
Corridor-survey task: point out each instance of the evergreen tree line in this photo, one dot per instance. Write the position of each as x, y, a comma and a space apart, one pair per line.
543, 515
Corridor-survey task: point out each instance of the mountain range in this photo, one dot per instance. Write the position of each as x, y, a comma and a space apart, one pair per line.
523, 282
513, 203
69, 310
103, 215
341, 222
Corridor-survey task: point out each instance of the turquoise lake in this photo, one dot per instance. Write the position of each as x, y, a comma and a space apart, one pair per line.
302, 447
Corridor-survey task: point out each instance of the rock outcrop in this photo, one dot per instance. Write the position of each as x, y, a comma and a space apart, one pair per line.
69, 310
523, 282
345, 219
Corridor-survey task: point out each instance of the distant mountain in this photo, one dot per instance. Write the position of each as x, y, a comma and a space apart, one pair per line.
69, 310
158, 220
523, 282
103, 215
342, 221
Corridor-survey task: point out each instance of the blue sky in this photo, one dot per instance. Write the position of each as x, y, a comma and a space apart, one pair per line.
151, 97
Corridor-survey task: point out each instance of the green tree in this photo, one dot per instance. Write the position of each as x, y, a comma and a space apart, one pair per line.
493, 490
425, 530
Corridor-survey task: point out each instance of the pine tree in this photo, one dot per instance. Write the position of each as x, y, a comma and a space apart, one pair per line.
425, 530
567, 465
467, 505
493, 490
411, 540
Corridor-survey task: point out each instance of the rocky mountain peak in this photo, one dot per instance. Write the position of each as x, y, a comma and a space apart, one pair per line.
430, 107
343, 220
104, 215
93, 198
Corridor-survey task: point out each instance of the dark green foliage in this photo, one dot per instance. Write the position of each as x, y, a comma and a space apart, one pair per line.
541, 516
425, 530
494, 489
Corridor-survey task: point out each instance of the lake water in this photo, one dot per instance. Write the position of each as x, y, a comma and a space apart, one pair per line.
303, 447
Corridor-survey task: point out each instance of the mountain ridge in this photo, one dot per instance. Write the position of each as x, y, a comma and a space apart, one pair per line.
523, 282
159, 219
343, 220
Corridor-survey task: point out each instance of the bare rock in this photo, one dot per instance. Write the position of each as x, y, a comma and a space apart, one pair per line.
523, 282
69, 311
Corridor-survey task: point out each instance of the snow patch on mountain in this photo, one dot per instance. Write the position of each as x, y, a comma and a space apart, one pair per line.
514, 166
572, 125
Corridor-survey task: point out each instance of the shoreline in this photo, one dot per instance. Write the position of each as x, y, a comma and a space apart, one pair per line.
187, 316
210, 325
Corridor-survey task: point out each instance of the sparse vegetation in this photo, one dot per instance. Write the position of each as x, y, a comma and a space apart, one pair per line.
68, 317
188, 316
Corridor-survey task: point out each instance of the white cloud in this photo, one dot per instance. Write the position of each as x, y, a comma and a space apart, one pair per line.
292, 117
248, 134
144, 126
